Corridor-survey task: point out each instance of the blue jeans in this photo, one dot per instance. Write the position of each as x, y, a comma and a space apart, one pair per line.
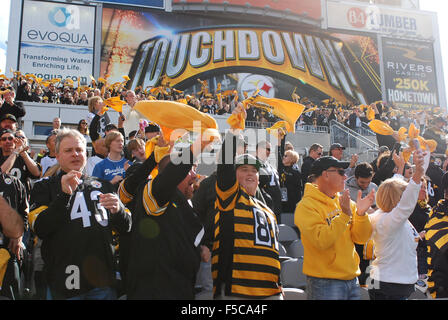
332, 289
105, 293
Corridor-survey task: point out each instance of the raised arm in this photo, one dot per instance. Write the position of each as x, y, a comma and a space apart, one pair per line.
11, 222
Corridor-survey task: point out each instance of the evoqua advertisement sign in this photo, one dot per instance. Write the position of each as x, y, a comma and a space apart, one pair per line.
149, 47
378, 19
57, 40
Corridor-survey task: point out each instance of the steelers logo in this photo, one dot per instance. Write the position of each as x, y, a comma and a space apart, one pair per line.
96, 184
253, 82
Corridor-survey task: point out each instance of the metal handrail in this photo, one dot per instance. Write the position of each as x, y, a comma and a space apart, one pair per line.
304, 127
312, 128
367, 129
352, 133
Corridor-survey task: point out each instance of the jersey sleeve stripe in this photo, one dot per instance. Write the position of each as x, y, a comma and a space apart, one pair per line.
436, 223
125, 196
442, 241
150, 204
32, 216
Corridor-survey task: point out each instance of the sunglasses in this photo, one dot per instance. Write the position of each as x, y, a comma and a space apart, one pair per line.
7, 138
340, 171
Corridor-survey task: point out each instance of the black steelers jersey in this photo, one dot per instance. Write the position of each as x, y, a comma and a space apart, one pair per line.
164, 257
20, 171
15, 194
76, 232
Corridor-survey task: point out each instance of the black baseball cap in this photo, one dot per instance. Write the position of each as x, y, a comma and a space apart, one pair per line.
337, 146
323, 163
9, 117
132, 133
152, 127
249, 160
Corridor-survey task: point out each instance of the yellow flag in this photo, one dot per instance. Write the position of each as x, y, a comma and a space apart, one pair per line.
115, 103
236, 121
280, 127
176, 115
380, 127
402, 134
284, 109
413, 131
370, 113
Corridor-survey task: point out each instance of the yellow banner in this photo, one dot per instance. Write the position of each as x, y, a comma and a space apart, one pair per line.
316, 60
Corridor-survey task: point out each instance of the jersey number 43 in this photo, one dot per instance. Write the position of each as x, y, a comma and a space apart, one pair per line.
81, 211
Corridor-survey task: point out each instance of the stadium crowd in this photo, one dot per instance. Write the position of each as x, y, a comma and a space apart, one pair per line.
319, 113
128, 221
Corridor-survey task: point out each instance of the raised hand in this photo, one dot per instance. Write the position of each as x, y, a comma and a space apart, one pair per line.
363, 204
70, 181
418, 158
110, 201
344, 202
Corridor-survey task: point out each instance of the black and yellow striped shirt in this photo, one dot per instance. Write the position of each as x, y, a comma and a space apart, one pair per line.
245, 256
437, 242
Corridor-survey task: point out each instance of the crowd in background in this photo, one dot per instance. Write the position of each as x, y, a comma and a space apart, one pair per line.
220, 102
117, 149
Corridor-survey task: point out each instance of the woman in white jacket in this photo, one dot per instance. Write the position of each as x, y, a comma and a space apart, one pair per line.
393, 272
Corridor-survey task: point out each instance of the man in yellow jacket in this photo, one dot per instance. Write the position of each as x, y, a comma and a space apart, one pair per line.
330, 223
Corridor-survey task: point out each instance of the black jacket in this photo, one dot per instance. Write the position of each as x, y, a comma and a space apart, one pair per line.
306, 168
435, 190
290, 179
434, 134
17, 110
269, 183
164, 254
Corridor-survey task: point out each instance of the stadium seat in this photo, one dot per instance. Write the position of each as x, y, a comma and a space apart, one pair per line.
204, 295
282, 253
295, 249
294, 294
418, 295
364, 294
286, 234
287, 218
282, 250
292, 275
